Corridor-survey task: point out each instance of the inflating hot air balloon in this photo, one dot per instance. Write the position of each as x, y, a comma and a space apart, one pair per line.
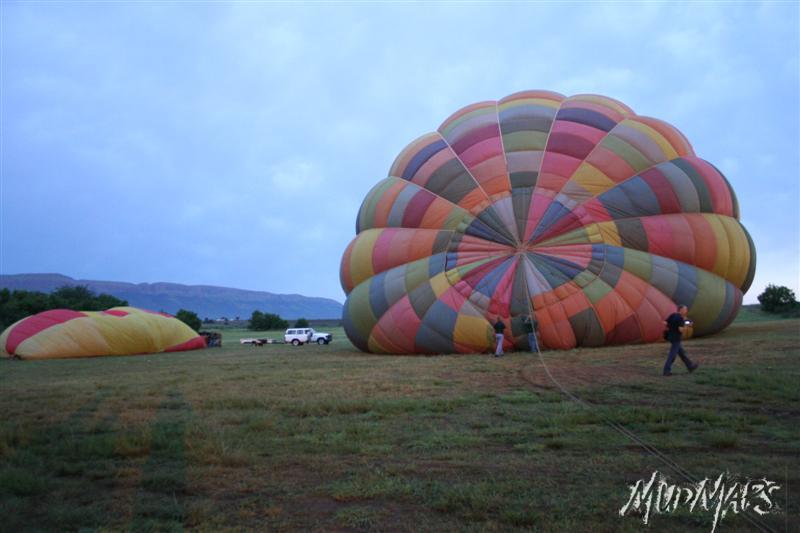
62, 333
574, 210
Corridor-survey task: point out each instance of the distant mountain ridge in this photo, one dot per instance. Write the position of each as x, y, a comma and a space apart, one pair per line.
205, 300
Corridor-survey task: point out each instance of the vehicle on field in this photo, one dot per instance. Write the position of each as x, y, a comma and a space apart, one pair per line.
298, 336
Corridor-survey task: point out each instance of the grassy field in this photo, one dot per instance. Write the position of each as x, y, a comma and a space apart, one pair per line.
327, 438
753, 313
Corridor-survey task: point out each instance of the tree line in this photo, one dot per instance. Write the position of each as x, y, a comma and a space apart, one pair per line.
266, 321
18, 304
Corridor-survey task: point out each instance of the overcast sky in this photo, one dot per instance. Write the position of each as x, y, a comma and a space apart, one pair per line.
232, 144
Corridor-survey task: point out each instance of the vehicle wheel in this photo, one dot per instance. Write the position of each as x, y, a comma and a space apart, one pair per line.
321, 341
296, 342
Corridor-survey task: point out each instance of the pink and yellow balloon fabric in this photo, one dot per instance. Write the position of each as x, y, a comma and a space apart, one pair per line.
62, 333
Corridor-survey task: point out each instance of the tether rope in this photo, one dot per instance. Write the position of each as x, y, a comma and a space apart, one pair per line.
652, 450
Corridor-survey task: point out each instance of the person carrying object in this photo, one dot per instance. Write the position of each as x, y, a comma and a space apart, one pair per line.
676, 324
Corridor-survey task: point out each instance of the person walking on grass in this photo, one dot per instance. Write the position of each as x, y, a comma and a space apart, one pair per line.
676, 325
532, 329
499, 327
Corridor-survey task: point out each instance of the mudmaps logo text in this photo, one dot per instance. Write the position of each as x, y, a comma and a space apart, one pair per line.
725, 494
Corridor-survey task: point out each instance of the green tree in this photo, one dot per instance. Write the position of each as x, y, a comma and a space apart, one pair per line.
301, 323
16, 305
777, 299
265, 321
76, 297
189, 318
80, 298
278, 322
256, 321
106, 301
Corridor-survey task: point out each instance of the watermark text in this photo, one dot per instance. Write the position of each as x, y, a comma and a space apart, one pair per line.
721, 496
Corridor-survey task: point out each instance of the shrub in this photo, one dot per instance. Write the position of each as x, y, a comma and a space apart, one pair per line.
265, 321
777, 299
189, 318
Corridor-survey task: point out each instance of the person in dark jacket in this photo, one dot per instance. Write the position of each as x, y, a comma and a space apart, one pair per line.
532, 329
676, 324
499, 328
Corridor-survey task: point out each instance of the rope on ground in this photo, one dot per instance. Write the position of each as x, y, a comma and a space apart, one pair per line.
652, 450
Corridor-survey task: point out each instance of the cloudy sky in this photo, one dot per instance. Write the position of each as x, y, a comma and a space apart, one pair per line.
232, 143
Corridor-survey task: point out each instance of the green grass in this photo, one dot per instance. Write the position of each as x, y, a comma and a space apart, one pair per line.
326, 438
753, 313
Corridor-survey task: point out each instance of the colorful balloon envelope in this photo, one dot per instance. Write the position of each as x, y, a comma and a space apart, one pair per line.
575, 211
63, 333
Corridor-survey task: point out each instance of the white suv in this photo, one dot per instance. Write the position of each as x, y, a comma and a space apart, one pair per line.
298, 336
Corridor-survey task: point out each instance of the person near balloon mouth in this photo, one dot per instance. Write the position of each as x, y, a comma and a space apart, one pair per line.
676, 324
499, 327
532, 329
